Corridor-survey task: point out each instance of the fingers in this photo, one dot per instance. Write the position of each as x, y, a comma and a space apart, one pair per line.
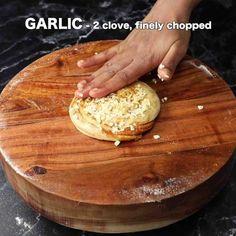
106, 73
122, 78
110, 68
82, 84
97, 58
168, 65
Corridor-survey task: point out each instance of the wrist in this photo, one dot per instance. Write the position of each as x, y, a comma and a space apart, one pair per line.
186, 6
179, 10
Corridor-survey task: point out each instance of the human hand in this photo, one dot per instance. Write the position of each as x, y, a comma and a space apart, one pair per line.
139, 53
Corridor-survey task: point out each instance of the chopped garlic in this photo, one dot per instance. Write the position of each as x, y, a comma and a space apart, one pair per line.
200, 107
108, 110
156, 136
131, 127
117, 142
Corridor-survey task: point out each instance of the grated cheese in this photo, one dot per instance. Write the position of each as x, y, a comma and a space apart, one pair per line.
156, 136
117, 143
200, 107
116, 111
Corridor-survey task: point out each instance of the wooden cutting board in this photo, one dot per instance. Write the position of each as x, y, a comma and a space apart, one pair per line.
92, 185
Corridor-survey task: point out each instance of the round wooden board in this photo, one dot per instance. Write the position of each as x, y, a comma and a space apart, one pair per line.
92, 185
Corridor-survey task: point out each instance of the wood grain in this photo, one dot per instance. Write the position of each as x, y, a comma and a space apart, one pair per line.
84, 183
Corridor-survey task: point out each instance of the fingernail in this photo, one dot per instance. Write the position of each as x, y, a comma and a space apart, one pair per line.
166, 73
82, 81
95, 90
81, 84
88, 87
79, 94
167, 76
80, 63
160, 77
80, 89
161, 66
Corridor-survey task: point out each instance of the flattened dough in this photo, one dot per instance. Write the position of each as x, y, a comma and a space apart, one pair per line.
123, 115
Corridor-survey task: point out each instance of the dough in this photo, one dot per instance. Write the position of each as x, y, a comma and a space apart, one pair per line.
123, 115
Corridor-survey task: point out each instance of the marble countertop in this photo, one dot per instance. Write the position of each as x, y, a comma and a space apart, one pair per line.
19, 47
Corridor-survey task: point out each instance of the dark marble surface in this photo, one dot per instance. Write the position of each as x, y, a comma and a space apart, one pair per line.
19, 47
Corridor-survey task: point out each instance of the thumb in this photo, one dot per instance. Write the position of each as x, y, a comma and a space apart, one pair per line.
168, 65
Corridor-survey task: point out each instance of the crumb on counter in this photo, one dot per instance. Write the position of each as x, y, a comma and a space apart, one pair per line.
164, 99
117, 142
156, 136
200, 107
96, 53
154, 81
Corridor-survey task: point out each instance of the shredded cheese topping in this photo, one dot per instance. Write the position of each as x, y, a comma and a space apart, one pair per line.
118, 110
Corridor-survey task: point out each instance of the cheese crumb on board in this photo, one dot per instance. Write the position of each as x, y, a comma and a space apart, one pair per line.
164, 99
154, 81
156, 136
117, 143
200, 107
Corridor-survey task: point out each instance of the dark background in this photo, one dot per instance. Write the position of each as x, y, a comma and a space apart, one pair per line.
19, 47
